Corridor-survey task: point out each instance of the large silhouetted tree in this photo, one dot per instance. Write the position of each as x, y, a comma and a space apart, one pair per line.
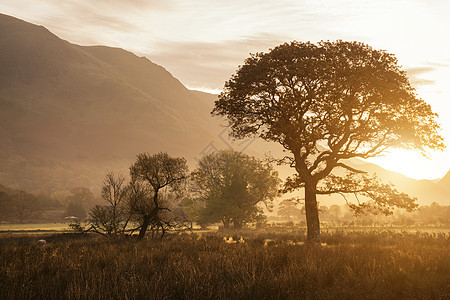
229, 185
153, 178
326, 103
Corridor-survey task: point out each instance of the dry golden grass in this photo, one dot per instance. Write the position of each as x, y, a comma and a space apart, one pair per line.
355, 265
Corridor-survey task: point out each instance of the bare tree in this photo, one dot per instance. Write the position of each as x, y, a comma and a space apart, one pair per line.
113, 218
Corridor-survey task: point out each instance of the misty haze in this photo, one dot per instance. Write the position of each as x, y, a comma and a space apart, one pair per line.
239, 160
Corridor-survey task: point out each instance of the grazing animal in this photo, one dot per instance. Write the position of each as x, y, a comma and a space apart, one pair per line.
41, 242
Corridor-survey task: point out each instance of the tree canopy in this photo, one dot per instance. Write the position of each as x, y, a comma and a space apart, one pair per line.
153, 179
148, 200
229, 186
326, 103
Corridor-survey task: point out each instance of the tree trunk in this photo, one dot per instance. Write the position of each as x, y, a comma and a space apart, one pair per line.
114, 220
144, 227
226, 224
237, 224
312, 216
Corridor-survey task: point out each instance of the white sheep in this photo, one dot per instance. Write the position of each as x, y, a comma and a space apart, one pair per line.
41, 243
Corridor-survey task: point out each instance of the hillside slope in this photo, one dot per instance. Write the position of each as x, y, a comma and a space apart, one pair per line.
427, 191
71, 107
444, 183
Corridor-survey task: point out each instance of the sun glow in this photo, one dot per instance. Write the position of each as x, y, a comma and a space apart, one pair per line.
410, 163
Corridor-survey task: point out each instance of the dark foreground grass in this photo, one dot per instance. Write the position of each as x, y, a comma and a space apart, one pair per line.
351, 266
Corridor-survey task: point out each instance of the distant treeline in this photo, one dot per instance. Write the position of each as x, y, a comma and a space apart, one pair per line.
19, 206
292, 211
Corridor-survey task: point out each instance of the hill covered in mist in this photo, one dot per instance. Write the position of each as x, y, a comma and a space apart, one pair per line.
69, 113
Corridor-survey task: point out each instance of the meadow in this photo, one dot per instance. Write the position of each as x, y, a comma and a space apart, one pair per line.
266, 265
33, 228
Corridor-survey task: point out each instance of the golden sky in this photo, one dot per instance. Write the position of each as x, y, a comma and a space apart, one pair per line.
201, 42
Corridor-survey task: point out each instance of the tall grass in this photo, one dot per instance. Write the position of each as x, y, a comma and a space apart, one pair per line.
351, 266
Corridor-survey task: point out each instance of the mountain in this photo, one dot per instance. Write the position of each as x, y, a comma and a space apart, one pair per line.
69, 113
444, 182
427, 191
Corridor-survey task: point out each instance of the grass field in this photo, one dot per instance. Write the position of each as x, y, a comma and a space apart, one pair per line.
64, 227
349, 265
53, 227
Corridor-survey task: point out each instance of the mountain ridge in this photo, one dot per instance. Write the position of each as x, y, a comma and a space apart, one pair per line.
444, 182
78, 104
422, 189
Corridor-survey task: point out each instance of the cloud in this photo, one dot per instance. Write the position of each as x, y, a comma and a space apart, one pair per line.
109, 22
110, 15
109, 6
415, 75
209, 64
203, 42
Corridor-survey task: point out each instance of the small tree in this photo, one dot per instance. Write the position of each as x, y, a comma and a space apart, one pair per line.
334, 213
79, 200
5, 206
230, 185
113, 218
76, 210
326, 103
62, 197
82, 196
24, 206
288, 209
155, 181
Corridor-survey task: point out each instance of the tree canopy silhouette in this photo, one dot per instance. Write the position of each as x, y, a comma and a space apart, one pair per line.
229, 185
326, 103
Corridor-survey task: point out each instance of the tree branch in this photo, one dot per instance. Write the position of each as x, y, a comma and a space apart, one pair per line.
342, 165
